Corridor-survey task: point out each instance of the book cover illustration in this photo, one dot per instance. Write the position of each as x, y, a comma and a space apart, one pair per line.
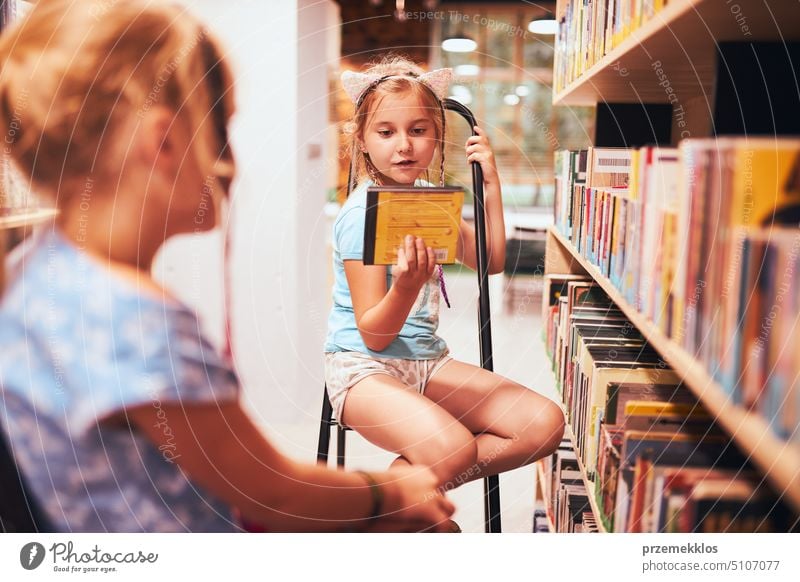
434, 214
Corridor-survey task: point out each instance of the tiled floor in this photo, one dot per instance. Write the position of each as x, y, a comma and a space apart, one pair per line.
518, 354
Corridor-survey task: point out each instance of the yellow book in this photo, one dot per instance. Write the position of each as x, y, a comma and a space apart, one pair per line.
609, 27
636, 16
633, 181
431, 213
666, 303
766, 182
661, 408
626, 17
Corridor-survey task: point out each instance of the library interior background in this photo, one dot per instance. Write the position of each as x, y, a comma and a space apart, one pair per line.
649, 153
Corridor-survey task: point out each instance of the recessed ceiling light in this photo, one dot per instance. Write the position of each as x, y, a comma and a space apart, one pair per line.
467, 70
543, 26
461, 94
459, 44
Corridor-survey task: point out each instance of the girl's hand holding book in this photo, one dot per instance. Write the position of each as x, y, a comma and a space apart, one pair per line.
415, 265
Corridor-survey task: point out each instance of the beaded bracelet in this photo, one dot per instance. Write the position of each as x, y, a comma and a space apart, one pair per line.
377, 496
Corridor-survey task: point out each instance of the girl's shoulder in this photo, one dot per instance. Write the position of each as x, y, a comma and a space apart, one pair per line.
358, 197
355, 204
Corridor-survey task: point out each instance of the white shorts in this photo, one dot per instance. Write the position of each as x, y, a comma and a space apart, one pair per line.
343, 370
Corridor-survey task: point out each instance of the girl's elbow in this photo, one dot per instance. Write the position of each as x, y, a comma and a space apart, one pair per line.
497, 265
375, 343
375, 346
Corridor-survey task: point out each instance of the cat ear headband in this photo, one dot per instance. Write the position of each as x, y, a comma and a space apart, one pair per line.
357, 85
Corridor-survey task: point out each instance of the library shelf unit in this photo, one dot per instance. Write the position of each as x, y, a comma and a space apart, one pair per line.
683, 37
692, 46
778, 459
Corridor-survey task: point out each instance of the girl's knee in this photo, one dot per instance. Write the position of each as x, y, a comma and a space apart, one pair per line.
545, 431
554, 420
553, 425
452, 452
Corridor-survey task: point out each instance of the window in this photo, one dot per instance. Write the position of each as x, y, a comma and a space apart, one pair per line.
507, 83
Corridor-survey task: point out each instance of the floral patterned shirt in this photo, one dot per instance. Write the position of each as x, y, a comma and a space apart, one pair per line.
79, 344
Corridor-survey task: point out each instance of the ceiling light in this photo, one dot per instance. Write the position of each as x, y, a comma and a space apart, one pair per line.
523, 90
510, 99
461, 94
459, 43
467, 70
546, 26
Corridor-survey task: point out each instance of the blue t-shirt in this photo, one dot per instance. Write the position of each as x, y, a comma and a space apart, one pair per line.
417, 339
80, 344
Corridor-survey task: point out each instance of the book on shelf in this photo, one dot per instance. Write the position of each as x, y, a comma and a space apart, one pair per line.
608, 472
619, 394
715, 500
576, 507
588, 523
645, 454
667, 416
564, 491
762, 316
393, 212
551, 468
555, 286
540, 524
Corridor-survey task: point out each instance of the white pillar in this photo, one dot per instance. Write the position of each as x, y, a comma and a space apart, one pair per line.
281, 52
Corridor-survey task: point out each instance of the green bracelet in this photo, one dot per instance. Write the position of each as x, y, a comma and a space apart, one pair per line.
377, 495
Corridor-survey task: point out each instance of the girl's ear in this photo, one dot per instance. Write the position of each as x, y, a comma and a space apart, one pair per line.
157, 137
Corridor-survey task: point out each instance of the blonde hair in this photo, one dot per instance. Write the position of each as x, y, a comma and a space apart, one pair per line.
401, 73
72, 71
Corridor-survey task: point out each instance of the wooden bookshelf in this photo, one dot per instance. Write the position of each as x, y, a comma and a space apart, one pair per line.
540, 480
683, 37
27, 219
778, 459
586, 483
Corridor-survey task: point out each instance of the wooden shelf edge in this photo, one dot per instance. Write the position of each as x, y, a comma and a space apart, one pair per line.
778, 459
548, 511
29, 219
